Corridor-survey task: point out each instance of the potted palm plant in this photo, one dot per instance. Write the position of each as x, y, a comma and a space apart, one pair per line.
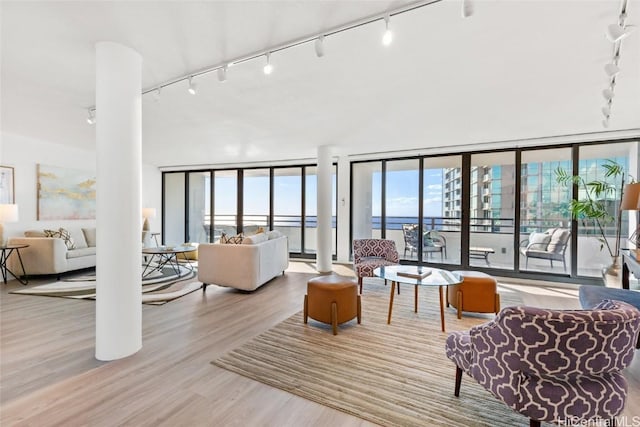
598, 198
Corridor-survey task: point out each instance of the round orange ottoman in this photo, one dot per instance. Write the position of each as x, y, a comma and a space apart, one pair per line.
332, 299
477, 293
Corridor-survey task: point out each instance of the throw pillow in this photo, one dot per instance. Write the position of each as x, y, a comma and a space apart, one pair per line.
558, 240
538, 241
256, 238
90, 236
63, 234
233, 240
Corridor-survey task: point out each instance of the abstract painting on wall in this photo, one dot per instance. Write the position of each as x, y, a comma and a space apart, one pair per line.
66, 193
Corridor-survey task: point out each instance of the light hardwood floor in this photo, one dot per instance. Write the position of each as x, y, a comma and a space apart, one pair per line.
49, 376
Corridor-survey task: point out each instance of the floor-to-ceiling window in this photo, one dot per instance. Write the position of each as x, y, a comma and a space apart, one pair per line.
199, 207
402, 206
366, 200
442, 209
202, 205
544, 209
255, 200
287, 205
225, 203
173, 212
492, 216
311, 210
593, 251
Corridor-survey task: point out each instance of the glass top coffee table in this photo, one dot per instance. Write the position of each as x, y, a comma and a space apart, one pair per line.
409, 274
166, 255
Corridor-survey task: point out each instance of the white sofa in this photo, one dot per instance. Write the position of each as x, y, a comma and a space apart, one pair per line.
245, 266
50, 255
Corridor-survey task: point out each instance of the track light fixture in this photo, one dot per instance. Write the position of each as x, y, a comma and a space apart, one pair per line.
268, 68
608, 93
222, 74
606, 110
387, 38
612, 68
605, 122
157, 94
318, 40
91, 118
467, 8
319, 46
617, 32
192, 86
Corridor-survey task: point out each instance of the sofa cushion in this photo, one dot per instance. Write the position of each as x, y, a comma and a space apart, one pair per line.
234, 240
77, 253
274, 234
78, 238
558, 240
63, 234
34, 233
256, 238
90, 236
539, 241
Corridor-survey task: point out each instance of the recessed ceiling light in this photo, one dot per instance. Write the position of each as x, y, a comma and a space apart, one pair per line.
91, 118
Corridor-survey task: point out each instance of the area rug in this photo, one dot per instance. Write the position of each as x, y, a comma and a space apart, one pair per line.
157, 289
392, 375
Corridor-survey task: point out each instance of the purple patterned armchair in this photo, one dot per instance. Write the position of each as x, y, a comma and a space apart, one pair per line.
369, 254
552, 365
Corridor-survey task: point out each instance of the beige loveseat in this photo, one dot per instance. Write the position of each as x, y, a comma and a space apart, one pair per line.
245, 266
50, 255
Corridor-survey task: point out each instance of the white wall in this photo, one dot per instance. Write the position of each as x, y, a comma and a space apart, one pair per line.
23, 154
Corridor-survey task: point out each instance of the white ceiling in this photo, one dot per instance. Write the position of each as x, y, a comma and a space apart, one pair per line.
514, 70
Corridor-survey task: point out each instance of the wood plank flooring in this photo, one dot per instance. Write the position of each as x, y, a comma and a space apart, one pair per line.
49, 376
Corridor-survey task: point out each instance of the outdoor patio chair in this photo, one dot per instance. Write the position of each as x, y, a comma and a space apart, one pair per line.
432, 241
552, 365
550, 245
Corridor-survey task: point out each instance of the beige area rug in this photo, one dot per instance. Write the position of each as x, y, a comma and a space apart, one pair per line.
157, 289
392, 375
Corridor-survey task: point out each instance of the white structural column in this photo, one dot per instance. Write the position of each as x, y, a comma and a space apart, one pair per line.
323, 256
118, 219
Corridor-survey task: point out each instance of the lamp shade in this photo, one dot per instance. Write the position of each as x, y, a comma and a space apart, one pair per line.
148, 212
8, 213
631, 197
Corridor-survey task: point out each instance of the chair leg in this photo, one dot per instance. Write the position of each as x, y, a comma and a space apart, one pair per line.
334, 317
204, 286
534, 423
360, 283
459, 303
456, 391
306, 308
359, 310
